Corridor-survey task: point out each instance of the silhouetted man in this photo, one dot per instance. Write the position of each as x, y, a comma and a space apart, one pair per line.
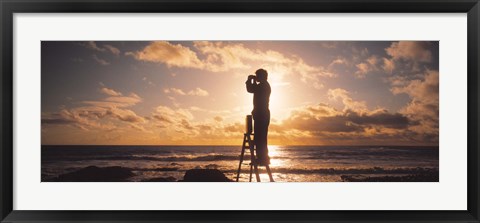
261, 114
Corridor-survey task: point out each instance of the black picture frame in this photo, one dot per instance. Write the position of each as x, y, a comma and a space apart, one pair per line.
9, 7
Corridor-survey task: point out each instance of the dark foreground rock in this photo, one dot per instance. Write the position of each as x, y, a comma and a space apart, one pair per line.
161, 179
205, 175
96, 174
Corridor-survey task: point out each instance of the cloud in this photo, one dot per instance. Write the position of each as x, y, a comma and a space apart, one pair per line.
105, 104
100, 61
321, 118
234, 127
363, 69
322, 110
139, 128
425, 89
403, 55
110, 92
323, 124
356, 124
349, 122
195, 92
329, 44
197, 109
92, 45
56, 119
80, 120
112, 49
344, 96
116, 101
150, 83
198, 92
172, 114
388, 65
366, 67
173, 55
177, 119
228, 56
381, 117
111, 107
372, 60
97, 114
410, 50
181, 126
218, 118
314, 124
337, 62
174, 91
106, 48
124, 115
129, 100
222, 57
424, 102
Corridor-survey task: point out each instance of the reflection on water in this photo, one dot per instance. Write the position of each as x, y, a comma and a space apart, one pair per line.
288, 163
275, 152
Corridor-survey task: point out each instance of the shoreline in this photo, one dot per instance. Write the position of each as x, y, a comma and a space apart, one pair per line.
124, 174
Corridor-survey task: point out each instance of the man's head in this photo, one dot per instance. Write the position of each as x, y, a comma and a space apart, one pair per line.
262, 75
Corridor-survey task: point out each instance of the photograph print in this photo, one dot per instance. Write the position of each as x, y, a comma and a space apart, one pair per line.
239, 111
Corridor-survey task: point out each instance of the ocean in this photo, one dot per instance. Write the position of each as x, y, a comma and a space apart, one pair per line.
288, 163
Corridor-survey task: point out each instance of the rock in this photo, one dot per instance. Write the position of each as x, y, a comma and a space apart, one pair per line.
97, 174
161, 179
46, 178
205, 175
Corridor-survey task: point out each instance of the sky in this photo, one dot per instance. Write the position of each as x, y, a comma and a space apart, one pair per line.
193, 92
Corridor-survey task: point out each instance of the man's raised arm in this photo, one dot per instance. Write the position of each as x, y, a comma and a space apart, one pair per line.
251, 85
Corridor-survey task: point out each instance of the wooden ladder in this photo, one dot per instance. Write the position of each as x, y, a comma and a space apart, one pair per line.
248, 143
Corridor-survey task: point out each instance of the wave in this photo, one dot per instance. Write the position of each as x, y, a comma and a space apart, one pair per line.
421, 177
187, 158
325, 171
373, 170
220, 157
215, 157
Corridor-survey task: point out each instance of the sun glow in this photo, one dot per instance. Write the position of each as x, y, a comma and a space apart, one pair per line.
275, 152
278, 101
279, 98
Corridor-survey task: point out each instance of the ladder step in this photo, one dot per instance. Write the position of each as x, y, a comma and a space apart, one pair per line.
248, 146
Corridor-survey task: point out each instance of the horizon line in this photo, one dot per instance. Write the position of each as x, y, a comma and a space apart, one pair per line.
218, 145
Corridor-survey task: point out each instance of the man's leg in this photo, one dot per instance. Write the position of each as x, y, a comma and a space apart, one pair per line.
267, 123
260, 138
267, 157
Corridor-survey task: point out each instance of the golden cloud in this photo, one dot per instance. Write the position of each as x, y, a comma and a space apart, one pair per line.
222, 57
410, 50
169, 54
110, 92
